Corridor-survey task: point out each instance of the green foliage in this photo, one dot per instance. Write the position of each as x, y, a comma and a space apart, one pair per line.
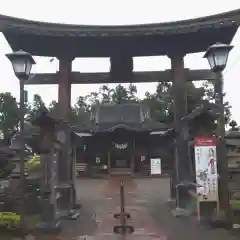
9, 114
106, 95
33, 163
160, 103
34, 107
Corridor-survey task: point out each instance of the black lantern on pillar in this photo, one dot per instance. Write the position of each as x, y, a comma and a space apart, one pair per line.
217, 56
22, 64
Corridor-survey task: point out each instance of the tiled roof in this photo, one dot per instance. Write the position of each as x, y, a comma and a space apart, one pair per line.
51, 39
225, 19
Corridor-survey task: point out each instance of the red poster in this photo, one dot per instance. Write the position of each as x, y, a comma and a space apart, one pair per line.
206, 168
205, 141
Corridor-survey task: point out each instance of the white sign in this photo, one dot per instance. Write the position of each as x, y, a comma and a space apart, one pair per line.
206, 169
97, 159
156, 166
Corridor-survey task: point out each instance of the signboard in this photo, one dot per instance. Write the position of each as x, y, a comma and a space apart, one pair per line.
206, 168
98, 159
156, 166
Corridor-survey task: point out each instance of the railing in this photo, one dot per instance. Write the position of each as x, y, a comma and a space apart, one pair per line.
123, 228
81, 167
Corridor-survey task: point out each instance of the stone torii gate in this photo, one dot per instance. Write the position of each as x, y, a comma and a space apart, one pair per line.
121, 44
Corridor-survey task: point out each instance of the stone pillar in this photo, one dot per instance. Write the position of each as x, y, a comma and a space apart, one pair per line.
65, 187
66, 178
109, 162
49, 219
173, 177
73, 170
180, 110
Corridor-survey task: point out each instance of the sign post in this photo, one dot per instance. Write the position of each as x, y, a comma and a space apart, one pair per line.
206, 173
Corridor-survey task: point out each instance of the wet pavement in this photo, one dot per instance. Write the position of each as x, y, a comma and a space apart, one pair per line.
146, 202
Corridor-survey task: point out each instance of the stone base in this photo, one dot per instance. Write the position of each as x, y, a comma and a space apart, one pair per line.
171, 200
181, 212
171, 203
71, 214
49, 227
74, 214
66, 201
77, 205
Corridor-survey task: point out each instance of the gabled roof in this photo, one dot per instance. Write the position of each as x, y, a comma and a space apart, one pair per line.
50, 39
147, 125
120, 116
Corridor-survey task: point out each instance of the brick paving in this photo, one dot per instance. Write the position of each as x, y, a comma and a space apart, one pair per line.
141, 219
145, 201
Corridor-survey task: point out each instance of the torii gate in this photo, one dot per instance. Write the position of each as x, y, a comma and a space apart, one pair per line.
121, 44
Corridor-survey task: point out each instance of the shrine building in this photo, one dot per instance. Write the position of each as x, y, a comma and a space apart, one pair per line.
121, 139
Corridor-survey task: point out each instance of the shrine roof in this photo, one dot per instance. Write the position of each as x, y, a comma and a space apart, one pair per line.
145, 126
110, 117
50, 39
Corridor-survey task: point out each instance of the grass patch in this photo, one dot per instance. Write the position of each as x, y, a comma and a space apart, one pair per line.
32, 221
235, 204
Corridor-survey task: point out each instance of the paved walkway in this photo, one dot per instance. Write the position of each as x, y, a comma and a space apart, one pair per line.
175, 228
141, 219
145, 201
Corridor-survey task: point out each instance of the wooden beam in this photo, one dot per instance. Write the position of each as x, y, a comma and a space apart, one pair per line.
138, 77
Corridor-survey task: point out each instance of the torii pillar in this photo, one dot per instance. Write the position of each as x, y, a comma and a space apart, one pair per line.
65, 171
181, 158
64, 86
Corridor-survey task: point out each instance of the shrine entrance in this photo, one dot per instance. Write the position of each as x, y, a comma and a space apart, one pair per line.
120, 152
120, 161
121, 44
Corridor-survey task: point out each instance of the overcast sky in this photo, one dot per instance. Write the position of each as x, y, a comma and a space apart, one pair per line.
108, 12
